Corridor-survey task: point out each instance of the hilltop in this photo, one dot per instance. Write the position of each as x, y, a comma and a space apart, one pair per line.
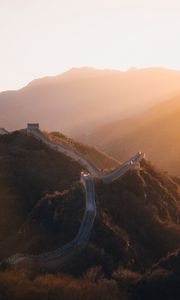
155, 131
81, 99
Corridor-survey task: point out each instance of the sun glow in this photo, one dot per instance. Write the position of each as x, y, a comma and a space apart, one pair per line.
43, 37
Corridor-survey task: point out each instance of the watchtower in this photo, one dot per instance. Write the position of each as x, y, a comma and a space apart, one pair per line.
32, 127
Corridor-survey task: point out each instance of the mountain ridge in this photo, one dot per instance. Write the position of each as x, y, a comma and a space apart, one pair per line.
79, 105
156, 131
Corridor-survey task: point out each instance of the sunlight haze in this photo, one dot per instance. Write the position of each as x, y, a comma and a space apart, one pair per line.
43, 37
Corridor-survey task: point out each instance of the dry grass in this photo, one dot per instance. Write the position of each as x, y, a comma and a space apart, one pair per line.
17, 286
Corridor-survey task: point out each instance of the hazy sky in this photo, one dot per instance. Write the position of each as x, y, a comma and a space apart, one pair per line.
47, 37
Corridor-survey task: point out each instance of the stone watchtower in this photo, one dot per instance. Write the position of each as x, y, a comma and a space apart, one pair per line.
32, 127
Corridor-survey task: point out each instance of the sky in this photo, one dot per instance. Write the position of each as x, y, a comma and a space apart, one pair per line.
47, 37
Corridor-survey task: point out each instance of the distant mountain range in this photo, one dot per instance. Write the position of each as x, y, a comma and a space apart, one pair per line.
81, 99
157, 132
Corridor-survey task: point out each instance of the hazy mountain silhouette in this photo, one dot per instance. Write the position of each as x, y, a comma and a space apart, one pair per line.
155, 131
80, 99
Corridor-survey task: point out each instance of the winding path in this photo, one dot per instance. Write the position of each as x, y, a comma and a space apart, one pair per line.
92, 169
61, 255
58, 257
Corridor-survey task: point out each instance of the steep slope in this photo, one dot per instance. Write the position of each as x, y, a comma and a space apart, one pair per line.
79, 100
162, 281
100, 159
142, 211
29, 170
156, 132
